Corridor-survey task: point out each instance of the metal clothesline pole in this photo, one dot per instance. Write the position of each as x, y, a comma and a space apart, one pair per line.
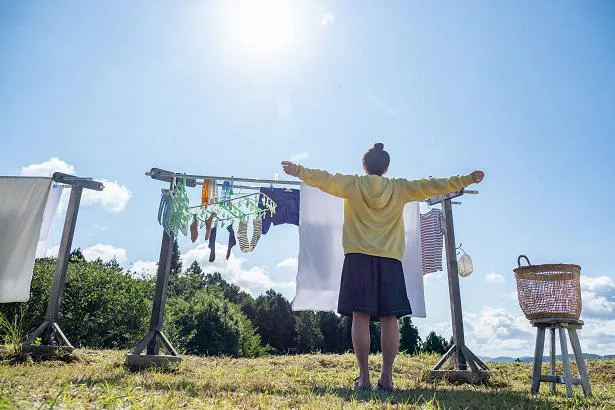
460, 355
56, 341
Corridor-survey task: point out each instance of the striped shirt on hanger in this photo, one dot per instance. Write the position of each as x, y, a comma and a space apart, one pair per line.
432, 236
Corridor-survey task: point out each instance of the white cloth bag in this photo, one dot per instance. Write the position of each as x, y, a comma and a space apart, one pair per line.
22, 204
321, 255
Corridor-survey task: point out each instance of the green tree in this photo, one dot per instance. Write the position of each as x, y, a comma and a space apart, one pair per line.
210, 325
274, 321
176, 263
335, 330
410, 341
435, 343
374, 333
309, 337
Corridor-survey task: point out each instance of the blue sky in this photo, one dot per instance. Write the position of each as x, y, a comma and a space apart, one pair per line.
523, 90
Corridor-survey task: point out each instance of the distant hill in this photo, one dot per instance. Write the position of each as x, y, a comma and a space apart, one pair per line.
530, 359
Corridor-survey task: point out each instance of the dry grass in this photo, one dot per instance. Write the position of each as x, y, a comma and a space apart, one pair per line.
98, 379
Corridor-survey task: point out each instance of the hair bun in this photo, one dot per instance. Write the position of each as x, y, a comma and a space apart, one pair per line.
379, 146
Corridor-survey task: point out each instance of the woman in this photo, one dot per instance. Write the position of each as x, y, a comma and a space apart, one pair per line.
372, 285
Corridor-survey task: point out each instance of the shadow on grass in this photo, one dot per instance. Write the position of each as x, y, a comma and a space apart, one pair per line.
445, 397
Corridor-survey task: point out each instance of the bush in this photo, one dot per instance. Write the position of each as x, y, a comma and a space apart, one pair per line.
103, 307
210, 325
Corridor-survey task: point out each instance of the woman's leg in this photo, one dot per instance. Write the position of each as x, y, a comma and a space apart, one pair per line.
360, 343
389, 341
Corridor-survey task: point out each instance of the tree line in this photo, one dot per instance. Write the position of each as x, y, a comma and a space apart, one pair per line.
106, 306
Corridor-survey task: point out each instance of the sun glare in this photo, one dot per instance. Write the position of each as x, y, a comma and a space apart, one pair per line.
263, 27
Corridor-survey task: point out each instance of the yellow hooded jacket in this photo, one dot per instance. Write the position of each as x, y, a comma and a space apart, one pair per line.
374, 205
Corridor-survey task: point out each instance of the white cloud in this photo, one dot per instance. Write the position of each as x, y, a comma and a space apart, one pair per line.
494, 278
53, 251
47, 168
598, 296
104, 252
288, 263
113, 198
144, 269
252, 279
496, 332
326, 18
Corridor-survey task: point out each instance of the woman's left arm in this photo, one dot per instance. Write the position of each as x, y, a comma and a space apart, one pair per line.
338, 185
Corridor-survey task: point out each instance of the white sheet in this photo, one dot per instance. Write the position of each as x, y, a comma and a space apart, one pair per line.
22, 204
49, 215
321, 255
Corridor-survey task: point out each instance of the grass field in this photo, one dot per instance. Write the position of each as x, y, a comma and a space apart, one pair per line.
98, 379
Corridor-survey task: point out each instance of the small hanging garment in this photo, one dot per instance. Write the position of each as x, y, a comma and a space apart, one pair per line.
22, 206
287, 207
232, 241
212, 244
242, 235
208, 225
194, 229
432, 240
51, 211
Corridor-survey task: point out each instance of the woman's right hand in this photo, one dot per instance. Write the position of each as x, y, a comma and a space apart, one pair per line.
477, 176
290, 168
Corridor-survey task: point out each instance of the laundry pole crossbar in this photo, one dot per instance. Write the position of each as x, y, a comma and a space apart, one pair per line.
52, 337
167, 176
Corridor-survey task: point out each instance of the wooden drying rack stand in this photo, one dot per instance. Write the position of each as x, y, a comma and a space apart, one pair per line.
458, 355
53, 340
156, 340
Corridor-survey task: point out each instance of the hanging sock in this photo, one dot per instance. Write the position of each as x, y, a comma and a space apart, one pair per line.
194, 229
212, 244
232, 241
242, 235
208, 225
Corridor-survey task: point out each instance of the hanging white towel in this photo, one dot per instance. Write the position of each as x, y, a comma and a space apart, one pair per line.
321, 255
51, 211
22, 204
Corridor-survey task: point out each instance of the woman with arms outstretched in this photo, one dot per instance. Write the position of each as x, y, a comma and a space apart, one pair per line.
372, 285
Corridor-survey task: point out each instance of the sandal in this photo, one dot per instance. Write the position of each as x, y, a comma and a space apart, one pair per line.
387, 389
357, 387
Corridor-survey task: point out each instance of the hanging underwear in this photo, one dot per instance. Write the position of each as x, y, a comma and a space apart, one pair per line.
231, 241
287, 207
242, 235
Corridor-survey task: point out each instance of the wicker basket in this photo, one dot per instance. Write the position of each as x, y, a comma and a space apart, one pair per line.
549, 291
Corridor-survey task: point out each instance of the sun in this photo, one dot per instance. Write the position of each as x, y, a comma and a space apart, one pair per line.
264, 27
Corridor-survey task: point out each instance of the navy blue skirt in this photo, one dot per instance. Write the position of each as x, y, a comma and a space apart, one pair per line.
374, 285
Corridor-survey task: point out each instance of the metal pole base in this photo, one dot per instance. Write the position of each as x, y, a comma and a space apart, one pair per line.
153, 342
55, 345
479, 372
145, 361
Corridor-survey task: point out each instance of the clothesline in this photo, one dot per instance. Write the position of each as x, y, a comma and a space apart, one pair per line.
163, 175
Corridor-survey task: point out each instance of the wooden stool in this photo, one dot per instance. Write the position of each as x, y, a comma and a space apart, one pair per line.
561, 324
